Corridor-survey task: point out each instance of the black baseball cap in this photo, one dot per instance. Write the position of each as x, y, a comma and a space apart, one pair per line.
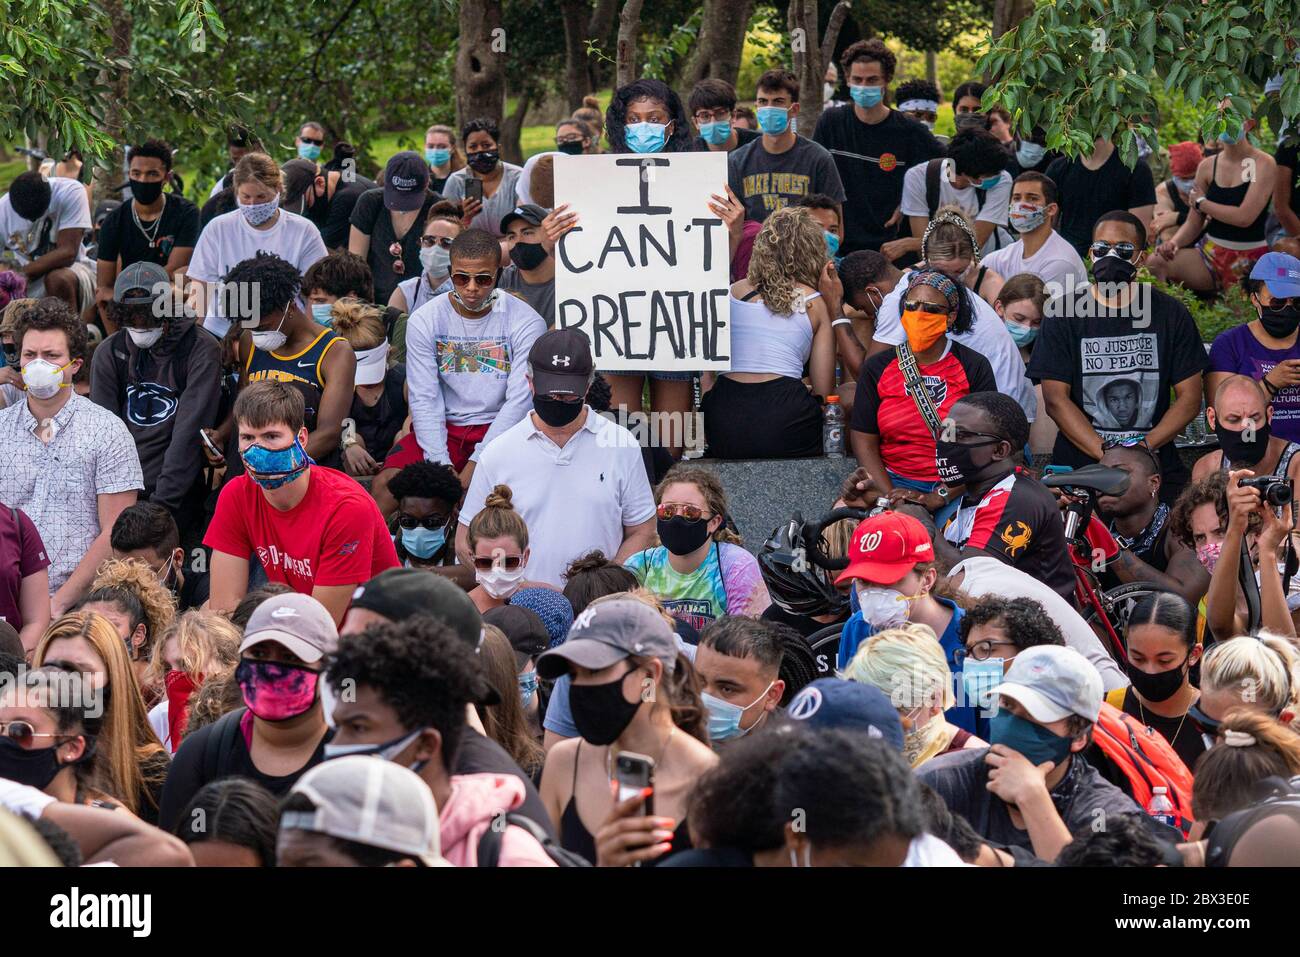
561, 361
399, 593
298, 175
524, 629
406, 181
530, 213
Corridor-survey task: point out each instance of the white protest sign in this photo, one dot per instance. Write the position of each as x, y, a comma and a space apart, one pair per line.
646, 271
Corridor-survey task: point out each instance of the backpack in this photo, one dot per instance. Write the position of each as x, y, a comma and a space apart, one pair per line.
489, 845
1145, 759
932, 170
220, 745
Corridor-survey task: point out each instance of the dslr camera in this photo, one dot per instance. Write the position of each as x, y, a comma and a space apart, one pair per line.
1273, 490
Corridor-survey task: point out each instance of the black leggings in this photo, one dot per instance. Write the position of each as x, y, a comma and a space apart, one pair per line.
778, 419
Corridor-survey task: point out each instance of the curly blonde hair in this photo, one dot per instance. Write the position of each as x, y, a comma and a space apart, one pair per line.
360, 323
117, 575
209, 645
788, 251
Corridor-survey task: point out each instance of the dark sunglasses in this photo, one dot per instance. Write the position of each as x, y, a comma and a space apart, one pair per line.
692, 513
508, 562
479, 279
431, 522
308, 139
914, 305
427, 241
963, 437
1132, 442
1124, 251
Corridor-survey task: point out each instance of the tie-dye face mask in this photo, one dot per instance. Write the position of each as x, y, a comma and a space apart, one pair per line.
276, 691
1208, 555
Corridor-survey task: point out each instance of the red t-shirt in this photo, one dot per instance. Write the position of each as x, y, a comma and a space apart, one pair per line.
882, 406
21, 554
335, 536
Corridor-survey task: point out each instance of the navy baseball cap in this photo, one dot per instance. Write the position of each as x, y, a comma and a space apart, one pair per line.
850, 705
1280, 273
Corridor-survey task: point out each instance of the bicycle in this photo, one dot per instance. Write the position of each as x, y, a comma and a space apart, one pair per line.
1105, 610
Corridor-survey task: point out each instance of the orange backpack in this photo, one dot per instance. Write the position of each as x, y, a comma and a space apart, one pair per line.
1146, 759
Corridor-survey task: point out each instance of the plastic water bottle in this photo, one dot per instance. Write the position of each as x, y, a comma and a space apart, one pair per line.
833, 428
1161, 808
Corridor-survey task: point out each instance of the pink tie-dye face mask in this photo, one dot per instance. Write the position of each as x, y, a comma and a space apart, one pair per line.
1208, 555
275, 691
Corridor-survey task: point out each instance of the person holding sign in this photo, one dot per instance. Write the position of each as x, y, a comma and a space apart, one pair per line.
463, 351
780, 321
646, 117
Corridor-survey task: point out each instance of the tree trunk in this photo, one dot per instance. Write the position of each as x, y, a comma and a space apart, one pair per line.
575, 13
108, 170
599, 28
511, 150
480, 62
833, 27
931, 67
629, 28
722, 38
1007, 14
807, 55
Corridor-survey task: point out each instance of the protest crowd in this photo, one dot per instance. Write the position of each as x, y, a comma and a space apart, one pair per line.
326, 539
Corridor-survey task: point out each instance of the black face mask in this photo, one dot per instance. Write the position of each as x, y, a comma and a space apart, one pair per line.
1237, 450
1160, 686
484, 162
146, 193
573, 149
600, 712
1279, 323
1113, 269
36, 767
956, 463
554, 412
528, 256
682, 536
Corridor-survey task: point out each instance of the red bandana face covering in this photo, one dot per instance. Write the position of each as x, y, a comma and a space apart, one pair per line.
179, 688
276, 691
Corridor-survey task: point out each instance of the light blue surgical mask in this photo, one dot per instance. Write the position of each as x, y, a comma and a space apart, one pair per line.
773, 120
437, 157
309, 151
1029, 154
716, 133
646, 137
1185, 185
1021, 334
1226, 137
527, 686
322, 313
867, 96
724, 717
978, 678
1036, 743
423, 542
832, 242
989, 182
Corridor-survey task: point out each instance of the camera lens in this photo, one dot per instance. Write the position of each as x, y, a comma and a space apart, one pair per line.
1279, 493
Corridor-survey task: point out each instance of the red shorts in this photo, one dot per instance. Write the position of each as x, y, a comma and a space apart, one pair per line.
461, 442
1228, 266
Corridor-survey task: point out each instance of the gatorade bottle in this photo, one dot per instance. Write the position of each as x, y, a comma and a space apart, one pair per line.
833, 428
1161, 808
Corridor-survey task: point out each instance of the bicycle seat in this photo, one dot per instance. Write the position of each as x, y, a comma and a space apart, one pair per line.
1095, 478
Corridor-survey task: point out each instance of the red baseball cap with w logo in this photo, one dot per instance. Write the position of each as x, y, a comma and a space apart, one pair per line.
884, 548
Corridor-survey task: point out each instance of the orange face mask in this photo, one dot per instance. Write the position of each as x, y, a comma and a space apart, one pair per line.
923, 328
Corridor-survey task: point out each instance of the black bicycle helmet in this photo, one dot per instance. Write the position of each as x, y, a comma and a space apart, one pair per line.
797, 585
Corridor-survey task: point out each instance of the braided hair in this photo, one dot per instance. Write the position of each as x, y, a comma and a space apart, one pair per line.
798, 663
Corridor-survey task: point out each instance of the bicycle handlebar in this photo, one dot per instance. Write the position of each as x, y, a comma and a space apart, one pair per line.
812, 536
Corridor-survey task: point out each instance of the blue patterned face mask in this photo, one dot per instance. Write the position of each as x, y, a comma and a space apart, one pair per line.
272, 468
527, 686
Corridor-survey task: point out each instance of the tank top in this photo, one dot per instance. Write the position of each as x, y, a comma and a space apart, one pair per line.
302, 369
379, 424
1233, 196
763, 342
417, 292
1175, 197
575, 837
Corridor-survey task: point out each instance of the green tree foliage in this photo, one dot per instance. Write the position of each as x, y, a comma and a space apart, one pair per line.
1083, 69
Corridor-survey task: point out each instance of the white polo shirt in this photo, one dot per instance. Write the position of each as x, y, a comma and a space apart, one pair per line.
573, 499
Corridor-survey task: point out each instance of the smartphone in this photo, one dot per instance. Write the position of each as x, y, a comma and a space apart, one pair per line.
634, 773
474, 189
208, 442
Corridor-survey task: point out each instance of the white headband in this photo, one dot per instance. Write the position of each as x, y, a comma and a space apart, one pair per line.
372, 364
918, 106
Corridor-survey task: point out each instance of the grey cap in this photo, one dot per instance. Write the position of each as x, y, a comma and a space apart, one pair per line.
372, 801
139, 276
1053, 682
606, 633
298, 622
